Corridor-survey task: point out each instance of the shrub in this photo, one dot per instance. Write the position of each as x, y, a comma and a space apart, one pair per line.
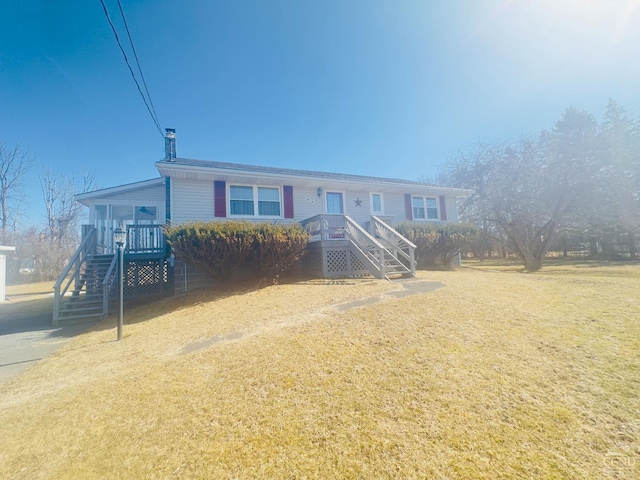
437, 244
220, 248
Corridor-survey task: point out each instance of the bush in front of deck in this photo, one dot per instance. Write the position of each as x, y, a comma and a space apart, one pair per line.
221, 248
438, 244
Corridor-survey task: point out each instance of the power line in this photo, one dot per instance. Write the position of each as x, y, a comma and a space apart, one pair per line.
126, 59
135, 54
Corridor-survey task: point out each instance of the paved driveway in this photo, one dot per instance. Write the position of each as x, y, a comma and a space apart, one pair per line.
26, 335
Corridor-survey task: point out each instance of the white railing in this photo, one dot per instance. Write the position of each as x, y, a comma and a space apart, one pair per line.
343, 227
373, 249
399, 245
325, 227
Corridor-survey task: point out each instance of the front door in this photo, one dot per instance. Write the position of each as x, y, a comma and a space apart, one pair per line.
335, 202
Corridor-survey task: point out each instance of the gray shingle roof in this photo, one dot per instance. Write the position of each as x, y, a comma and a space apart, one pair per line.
289, 172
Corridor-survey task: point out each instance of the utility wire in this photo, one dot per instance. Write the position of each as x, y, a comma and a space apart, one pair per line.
135, 54
124, 54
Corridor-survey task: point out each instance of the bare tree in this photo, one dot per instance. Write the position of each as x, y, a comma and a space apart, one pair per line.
63, 215
15, 164
62, 211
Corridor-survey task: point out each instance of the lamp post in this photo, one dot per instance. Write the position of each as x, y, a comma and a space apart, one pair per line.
120, 237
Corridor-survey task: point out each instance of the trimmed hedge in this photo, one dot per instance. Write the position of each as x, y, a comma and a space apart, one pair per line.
220, 248
438, 244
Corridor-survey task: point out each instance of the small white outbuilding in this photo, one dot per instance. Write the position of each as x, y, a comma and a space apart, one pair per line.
3, 270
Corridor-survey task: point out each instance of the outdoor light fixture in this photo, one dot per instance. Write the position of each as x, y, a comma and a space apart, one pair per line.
319, 191
120, 237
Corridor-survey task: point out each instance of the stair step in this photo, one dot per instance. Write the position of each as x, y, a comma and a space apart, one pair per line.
77, 319
79, 306
83, 299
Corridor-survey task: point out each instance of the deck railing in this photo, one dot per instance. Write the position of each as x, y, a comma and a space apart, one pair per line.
145, 239
395, 242
325, 227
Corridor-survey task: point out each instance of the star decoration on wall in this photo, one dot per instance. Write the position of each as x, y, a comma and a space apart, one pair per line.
358, 202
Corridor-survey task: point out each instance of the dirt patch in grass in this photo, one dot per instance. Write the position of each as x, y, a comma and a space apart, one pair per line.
496, 374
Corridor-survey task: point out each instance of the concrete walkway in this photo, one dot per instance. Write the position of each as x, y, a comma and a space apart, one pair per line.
26, 334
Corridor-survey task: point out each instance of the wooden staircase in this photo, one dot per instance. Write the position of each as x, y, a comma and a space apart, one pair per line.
87, 300
394, 268
341, 247
382, 260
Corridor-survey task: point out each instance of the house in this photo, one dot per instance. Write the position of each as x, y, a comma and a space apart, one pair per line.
349, 216
4, 250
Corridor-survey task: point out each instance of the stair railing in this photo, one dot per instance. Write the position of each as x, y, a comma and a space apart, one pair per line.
369, 246
400, 245
71, 272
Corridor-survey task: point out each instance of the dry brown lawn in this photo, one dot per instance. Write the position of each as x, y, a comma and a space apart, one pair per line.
497, 374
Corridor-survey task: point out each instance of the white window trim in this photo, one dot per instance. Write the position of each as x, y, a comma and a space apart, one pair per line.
344, 201
255, 201
426, 209
374, 212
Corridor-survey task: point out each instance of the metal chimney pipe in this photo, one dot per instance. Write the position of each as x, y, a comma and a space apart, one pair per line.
170, 143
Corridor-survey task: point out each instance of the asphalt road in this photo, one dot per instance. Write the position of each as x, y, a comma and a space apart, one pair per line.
26, 334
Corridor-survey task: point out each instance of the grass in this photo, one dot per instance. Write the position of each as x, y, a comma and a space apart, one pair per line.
36, 288
29, 299
496, 375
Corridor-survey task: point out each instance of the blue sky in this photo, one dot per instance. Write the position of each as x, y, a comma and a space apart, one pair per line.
386, 88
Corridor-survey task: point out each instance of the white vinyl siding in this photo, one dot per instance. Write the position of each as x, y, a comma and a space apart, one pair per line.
451, 208
306, 202
154, 194
191, 200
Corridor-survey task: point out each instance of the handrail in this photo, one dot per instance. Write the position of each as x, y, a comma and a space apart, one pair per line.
80, 250
108, 283
379, 257
397, 240
373, 249
75, 263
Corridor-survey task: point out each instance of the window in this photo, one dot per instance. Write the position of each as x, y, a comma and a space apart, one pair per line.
432, 209
268, 201
376, 203
241, 200
418, 208
422, 213
247, 200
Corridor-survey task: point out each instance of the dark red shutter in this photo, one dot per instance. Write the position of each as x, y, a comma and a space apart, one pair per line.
408, 210
443, 208
287, 194
220, 198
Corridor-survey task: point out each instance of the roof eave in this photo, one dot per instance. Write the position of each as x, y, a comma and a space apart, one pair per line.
82, 197
165, 167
